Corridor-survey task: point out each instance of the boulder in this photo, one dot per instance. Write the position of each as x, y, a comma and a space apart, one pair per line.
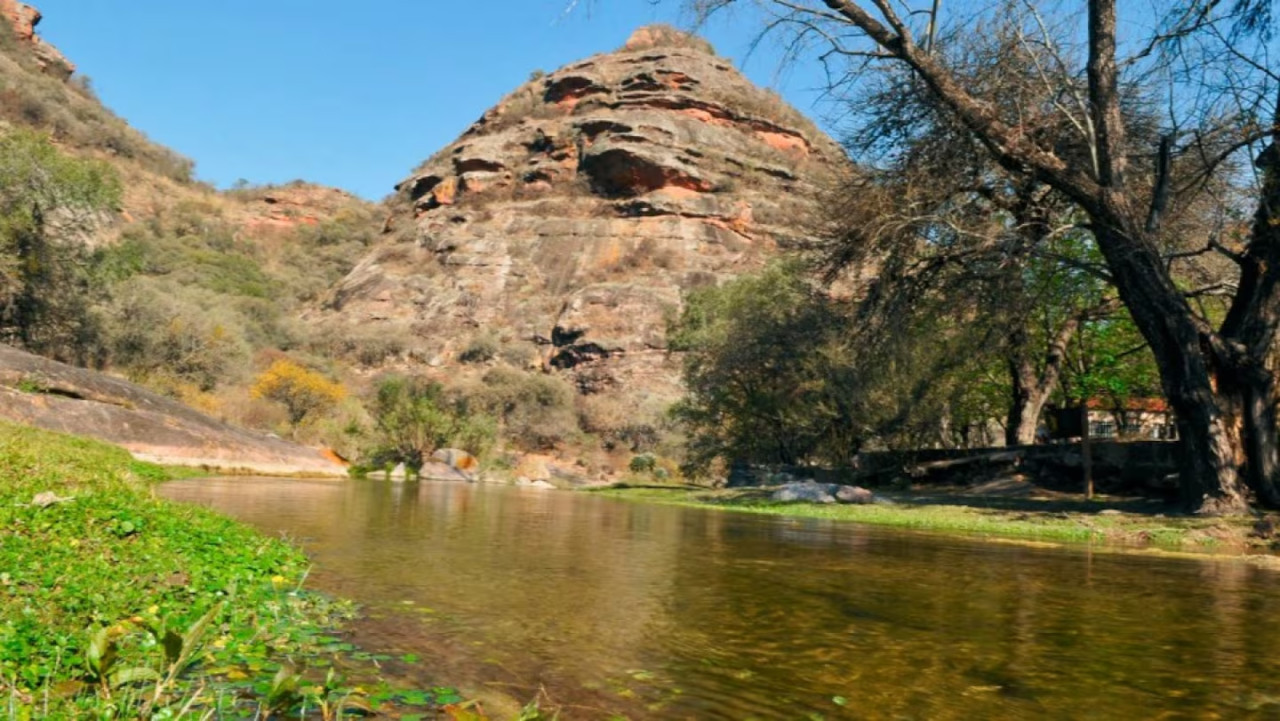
457, 459
854, 494
44, 393
806, 492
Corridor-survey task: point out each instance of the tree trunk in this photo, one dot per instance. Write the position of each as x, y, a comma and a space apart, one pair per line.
1025, 405
1254, 401
1208, 417
1249, 333
1031, 387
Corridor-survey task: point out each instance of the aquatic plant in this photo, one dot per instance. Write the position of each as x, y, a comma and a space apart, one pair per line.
118, 604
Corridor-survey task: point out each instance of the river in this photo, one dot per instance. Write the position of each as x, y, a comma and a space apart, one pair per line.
659, 612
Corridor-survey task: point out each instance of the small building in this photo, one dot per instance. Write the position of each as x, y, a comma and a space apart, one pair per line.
1134, 419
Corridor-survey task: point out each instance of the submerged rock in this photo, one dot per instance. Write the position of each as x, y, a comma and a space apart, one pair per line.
526, 483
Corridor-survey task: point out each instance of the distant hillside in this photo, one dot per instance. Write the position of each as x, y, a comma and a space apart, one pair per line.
190, 291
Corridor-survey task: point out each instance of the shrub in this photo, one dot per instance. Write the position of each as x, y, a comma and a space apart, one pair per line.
301, 390
482, 348
621, 422
369, 347
159, 334
48, 199
414, 417
536, 409
643, 463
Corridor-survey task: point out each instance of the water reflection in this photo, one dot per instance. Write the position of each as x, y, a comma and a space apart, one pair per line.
662, 612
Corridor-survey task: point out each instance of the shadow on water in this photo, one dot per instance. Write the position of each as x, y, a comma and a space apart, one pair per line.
668, 613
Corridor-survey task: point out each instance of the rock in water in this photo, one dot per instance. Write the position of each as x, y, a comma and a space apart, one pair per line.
457, 459
569, 221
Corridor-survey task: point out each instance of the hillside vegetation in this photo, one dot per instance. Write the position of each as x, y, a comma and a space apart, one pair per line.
73, 115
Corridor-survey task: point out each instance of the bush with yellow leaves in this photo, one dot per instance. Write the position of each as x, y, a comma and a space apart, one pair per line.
301, 390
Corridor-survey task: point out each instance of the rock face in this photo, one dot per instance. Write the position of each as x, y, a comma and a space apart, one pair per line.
23, 19
59, 397
571, 218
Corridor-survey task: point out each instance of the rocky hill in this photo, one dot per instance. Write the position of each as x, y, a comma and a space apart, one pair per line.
194, 291
562, 229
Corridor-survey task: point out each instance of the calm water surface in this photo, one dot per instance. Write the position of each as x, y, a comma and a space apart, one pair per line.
660, 612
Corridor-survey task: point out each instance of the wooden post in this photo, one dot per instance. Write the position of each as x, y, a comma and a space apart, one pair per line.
1086, 451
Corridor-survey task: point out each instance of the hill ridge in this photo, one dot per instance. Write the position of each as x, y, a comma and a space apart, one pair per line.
561, 229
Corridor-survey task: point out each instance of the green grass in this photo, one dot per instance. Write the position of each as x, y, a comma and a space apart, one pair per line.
115, 603
1028, 520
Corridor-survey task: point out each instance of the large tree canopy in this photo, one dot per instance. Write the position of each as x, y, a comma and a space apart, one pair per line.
1207, 64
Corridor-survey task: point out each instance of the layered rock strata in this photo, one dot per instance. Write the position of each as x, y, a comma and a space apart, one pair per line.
572, 218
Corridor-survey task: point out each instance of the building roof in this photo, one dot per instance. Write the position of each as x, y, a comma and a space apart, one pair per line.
1146, 405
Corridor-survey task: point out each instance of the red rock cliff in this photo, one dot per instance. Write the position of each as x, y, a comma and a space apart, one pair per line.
570, 219
23, 19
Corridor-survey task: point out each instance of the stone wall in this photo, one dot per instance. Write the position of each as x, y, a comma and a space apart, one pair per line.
1140, 467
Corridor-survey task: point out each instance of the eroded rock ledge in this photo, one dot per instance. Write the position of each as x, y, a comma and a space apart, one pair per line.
22, 19
59, 397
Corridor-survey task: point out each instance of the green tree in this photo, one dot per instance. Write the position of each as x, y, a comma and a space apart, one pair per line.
767, 371
414, 417
48, 202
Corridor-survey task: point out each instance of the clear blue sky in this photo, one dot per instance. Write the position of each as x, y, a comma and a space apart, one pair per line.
349, 94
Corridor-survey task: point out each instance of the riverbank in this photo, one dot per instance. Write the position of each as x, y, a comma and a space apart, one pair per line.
116, 603
1119, 523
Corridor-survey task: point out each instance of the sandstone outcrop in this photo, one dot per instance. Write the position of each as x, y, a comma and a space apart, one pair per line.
51, 395
285, 207
23, 19
571, 219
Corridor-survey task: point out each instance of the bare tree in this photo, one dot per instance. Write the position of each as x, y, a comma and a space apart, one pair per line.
966, 239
